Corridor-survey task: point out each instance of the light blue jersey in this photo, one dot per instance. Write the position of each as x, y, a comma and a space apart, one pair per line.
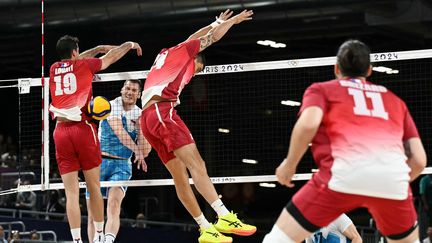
333, 233
110, 143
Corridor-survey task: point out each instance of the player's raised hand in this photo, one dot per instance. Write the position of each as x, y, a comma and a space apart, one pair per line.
139, 160
137, 47
225, 15
285, 173
243, 16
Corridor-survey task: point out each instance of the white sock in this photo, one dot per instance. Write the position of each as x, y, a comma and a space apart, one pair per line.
99, 235
76, 235
202, 222
219, 208
109, 238
276, 235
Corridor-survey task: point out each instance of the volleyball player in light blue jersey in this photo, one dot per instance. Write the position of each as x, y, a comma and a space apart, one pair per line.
117, 135
342, 230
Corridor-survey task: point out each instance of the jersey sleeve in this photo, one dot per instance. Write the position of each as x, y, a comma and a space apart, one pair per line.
410, 129
193, 47
342, 223
314, 96
95, 64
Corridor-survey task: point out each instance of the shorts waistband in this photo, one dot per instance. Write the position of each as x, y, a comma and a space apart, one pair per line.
72, 123
113, 158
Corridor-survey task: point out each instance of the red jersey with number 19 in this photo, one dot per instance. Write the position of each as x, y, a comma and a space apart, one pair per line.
71, 86
171, 71
359, 144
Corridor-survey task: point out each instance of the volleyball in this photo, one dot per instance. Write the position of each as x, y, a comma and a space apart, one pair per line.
99, 108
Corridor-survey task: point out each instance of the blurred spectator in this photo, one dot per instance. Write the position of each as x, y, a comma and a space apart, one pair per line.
14, 235
2, 145
34, 235
26, 200
139, 221
2, 236
426, 197
53, 205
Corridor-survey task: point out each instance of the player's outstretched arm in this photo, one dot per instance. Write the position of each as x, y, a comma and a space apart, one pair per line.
203, 31
416, 154
116, 53
303, 132
101, 49
219, 31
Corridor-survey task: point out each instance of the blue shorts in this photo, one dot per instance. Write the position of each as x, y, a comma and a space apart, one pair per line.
114, 170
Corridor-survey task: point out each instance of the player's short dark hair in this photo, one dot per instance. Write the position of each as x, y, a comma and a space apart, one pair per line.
65, 46
134, 81
353, 58
201, 59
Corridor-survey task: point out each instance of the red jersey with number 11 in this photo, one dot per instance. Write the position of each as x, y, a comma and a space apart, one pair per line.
71, 86
359, 144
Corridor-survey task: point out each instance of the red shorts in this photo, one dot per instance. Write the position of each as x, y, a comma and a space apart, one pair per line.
164, 130
77, 146
315, 206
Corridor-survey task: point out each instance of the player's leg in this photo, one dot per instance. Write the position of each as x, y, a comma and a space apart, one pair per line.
115, 170
90, 227
286, 230
68, 165
185, 194
70, 181
227, 222
115, 198
96, 204
395, 219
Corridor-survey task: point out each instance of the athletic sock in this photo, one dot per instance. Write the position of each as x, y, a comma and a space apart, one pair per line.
219, 208
99, 235
109, 238
202, 222
76, 235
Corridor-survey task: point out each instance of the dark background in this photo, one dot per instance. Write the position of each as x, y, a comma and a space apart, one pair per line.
248, 104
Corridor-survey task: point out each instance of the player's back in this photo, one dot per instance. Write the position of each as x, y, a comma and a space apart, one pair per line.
360, 139
172, 70
71, 86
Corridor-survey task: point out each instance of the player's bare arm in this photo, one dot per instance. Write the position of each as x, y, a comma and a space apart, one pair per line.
223, 16
126, 140
352, 234
101, 49
302, 134
116, 53
219, 31
416, 154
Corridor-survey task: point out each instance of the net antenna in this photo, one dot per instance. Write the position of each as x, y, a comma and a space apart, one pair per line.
210, 70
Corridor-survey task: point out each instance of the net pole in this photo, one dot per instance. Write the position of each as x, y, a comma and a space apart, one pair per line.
45, 118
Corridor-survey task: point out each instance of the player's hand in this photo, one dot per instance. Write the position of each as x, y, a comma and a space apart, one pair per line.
137, 47
105, 48
139, 160
285, 173
225, 15
243, 16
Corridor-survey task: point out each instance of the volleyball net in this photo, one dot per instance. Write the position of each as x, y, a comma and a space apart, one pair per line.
240, 115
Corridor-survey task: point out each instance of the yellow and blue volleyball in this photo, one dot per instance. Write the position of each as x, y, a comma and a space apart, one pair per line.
99, 108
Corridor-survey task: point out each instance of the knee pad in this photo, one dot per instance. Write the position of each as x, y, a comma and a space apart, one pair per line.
276, 235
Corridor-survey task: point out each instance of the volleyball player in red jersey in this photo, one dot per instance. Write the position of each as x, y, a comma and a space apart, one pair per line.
367, 149
166, 132
75, 138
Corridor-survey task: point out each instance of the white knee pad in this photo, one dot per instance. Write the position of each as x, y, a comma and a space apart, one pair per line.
417, 241
276, 235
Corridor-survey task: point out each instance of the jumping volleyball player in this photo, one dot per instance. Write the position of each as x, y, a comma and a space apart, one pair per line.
367, 149
117, 134
169, 136
75, 139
